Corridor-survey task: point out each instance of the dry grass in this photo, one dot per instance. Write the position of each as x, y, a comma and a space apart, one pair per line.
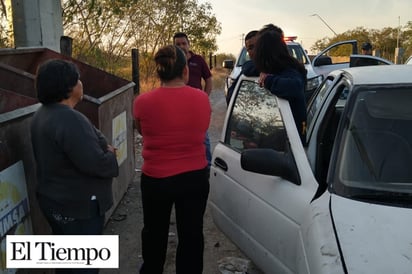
149, 84
219, 75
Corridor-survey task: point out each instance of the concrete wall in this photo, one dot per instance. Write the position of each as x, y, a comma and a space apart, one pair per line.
37, 23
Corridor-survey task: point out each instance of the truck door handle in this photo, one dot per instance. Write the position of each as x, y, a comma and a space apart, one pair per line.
220, 163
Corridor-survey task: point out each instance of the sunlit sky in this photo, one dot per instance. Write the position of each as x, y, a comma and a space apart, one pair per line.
238, 17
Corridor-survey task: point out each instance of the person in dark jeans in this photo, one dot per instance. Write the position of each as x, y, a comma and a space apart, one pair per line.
173, 120
75, 164
188, 192
198, 70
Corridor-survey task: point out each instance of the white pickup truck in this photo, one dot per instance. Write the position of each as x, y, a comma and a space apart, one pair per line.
341, 204
318, 68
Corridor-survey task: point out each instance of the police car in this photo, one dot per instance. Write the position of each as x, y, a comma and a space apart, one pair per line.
295, 49
317, 69
341, 204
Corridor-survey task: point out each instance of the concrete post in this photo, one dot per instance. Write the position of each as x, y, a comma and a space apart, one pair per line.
66, 45
398, 55
37, 23
135, 70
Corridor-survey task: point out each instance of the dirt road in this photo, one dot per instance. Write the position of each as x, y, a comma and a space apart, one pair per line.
127, 220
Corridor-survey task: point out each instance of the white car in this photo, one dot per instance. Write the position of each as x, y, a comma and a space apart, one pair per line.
341, 204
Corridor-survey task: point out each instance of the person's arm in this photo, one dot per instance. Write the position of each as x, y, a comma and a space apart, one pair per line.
208, 85
84, 146
206, 74
249, 69
287, 84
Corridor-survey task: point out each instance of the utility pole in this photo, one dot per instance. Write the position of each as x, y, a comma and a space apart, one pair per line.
398, 51
399, 27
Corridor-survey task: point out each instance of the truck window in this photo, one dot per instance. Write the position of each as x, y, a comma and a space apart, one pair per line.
318, 100
327, 132
255, 121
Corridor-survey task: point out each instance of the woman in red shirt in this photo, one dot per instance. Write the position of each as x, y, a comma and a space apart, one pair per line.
173, 120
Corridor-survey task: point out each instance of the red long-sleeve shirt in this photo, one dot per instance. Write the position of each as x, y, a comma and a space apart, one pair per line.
173, 124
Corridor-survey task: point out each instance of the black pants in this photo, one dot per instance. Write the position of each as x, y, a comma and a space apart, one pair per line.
188, 192
64, 225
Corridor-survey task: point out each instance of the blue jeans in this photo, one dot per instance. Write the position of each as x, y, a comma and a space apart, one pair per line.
208, 150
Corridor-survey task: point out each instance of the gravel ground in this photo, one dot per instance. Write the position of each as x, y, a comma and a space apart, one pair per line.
221, 255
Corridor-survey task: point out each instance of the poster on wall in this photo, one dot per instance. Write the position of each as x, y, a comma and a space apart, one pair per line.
120, 136
14, 208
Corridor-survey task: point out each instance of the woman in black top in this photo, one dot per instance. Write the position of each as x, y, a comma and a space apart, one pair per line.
75, 164
281, 73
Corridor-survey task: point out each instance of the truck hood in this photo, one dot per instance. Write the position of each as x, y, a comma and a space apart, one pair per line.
374, 238
310, 72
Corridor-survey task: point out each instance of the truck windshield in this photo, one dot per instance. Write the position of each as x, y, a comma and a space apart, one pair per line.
376, 145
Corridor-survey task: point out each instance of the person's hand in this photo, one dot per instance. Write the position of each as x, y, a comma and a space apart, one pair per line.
249, 144
112, 149
262, 78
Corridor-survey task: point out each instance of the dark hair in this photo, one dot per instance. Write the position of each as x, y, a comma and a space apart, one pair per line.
55, 79
366, 46
271, 27
170, 62
180, 35
251, 34
272, 54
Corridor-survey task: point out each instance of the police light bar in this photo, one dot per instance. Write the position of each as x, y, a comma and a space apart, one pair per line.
290, 38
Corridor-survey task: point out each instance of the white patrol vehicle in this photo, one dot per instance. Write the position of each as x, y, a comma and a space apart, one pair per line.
318, 68
295, 49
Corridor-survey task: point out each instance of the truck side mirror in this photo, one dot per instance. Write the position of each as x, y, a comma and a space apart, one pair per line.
229, 64
323, 61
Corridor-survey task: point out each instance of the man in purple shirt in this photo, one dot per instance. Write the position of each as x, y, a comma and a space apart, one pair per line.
198, 68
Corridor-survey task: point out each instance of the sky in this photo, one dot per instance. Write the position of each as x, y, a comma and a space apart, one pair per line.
238, 17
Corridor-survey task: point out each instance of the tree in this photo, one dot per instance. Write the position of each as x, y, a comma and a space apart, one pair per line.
5, 31
384, 40
105, 31
406, 38
98, 29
